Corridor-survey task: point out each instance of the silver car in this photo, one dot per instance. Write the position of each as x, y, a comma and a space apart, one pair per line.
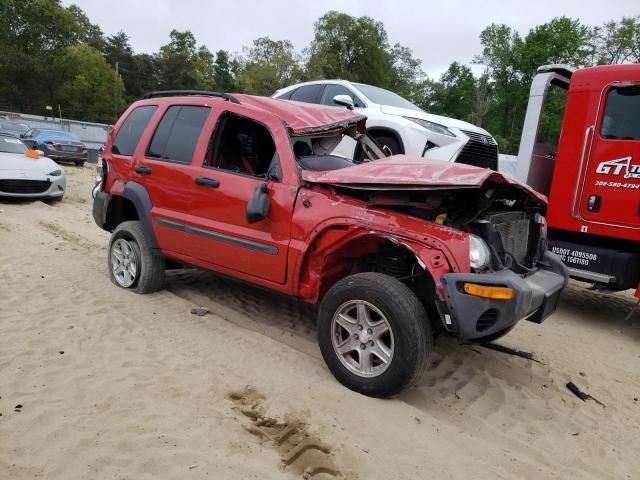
26, 173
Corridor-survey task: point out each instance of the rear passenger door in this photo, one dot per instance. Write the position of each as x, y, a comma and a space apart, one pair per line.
164, 169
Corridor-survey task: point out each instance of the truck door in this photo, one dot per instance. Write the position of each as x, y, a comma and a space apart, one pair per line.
241, 157
611, 188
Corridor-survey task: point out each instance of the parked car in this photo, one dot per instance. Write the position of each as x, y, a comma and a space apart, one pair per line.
399, 125
13, 128
57, 144
391, 249
25, 173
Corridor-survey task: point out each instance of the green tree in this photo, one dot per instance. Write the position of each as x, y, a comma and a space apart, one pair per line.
87, 32
180, 65
406, 72
455, 94
225, 70
350, 48
33, 36
91, 91
268, 66
618, 42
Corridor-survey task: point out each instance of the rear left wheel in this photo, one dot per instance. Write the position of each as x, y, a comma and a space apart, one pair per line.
133, 265
374, 334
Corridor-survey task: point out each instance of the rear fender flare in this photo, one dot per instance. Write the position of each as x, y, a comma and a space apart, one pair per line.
138, 195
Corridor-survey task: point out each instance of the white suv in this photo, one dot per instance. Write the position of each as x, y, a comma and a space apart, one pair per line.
400, 125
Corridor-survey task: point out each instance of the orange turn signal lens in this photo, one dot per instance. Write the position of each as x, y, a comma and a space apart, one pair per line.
32, 154
484, 291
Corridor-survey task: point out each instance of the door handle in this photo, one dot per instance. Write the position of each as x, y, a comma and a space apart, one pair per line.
143, 170
207, 182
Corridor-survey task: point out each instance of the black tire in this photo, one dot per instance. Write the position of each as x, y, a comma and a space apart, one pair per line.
412, 336
390, 142
80, 163
150, 275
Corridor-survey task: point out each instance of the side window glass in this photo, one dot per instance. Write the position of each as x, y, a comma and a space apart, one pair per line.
131, 130
177, 134
242, 145
621, 120
332, 90
287, 96
308, 94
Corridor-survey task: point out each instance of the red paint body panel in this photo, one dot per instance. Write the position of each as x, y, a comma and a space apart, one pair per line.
308, 223
405, 171
582, 149
303, 118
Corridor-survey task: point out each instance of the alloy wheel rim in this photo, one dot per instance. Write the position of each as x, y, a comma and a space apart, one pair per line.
124, 263
362, 338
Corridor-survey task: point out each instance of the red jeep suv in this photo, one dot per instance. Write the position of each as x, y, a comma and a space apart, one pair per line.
392, 249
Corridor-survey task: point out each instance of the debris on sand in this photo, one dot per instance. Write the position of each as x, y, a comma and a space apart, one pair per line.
512, 351
573, 388
199, 311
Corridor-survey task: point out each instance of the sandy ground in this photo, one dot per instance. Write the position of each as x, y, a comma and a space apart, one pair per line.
116, 385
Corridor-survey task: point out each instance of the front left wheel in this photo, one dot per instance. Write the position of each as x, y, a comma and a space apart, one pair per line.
374, 334
133, 265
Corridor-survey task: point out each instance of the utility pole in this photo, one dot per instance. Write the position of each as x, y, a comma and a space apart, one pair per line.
115, 95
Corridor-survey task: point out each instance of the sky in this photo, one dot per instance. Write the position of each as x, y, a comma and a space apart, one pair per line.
438, 32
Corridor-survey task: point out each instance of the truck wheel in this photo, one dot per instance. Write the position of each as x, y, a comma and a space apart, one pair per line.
374, 334
133, 265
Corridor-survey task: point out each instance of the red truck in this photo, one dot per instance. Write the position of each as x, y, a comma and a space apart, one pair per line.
592, 173
392, 249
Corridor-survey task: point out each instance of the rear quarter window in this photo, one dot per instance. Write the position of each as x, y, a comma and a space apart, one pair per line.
132, 129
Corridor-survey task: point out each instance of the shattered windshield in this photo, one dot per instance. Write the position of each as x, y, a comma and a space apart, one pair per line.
323, 153
12, 145
316, 153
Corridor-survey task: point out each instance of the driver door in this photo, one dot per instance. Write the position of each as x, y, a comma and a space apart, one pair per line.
240, 155
611, 192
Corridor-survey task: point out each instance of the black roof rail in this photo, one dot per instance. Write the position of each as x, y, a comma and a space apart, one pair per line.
195, 93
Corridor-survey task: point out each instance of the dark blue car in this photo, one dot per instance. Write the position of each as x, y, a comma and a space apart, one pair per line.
57, 144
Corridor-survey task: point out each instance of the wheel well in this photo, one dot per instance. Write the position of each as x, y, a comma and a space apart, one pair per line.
120, 210
343, 251
377, 132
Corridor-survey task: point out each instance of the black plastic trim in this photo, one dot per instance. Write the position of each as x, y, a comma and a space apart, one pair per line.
190, 93
139, 196
222, 237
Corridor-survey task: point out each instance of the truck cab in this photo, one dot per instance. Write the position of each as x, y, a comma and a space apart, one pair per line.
589, 167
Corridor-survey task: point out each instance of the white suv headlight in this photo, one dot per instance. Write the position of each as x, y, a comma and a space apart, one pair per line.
432, 127
479, 254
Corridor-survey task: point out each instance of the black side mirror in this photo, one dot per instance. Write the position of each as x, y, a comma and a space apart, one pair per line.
23, 135
258, 206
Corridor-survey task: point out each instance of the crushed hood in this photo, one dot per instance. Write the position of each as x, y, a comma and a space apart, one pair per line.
302, 119
402, 172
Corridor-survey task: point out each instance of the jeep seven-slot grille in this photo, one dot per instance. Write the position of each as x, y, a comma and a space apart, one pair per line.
480, 151
24, 186
514, 229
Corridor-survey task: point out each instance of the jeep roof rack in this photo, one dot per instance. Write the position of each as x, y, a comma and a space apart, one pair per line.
196, 93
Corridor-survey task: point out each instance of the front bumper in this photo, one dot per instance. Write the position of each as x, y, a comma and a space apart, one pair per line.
33, 187
536, 297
